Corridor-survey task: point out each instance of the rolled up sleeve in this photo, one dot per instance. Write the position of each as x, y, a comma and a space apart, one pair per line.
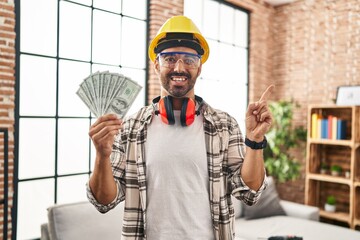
117, 159
242, 192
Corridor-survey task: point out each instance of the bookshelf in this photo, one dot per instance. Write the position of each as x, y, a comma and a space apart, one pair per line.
334, 139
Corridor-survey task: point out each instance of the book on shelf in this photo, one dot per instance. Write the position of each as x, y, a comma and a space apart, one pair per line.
327, 127
324, 128
341, 129
330, 123
334, 132
314, 127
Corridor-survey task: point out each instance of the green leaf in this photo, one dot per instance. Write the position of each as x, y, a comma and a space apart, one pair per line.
281, 138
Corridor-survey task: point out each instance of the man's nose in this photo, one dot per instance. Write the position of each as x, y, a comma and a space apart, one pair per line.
179, 65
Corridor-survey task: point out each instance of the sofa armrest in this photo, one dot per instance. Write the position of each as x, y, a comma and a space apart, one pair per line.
45, 232
300, 210
80, 220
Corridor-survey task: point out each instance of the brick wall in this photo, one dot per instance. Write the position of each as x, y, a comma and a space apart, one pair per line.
268, 45
160, 11
307, 49
317, 49
7, 96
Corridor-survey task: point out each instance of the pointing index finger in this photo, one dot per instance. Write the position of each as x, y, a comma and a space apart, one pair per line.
267, 93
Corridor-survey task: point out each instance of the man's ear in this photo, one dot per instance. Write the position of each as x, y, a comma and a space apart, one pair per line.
199, 71
156, 66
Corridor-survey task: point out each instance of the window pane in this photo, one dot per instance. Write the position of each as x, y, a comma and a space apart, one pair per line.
226, 71
38, 86
206, 88
36, 147
240, 63
71, 74
34, 197
211, 19
194, 10
92, 151
133, 45
106, 40
210, 70
226, 51
72, 189
38, 36
241, 29
73, 146
135, 9
101, 68
109, 5
226, 24
85, 2
75, 31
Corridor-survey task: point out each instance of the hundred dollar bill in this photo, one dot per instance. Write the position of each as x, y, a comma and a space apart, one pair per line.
106, 92
124, 97
80, 92
116, 83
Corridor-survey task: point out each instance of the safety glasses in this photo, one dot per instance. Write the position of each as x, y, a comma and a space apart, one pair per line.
170, 59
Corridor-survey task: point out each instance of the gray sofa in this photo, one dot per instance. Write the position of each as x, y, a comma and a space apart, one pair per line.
269, 217
81, 220
300, 220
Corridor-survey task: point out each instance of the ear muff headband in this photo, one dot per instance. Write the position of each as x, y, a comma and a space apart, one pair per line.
168, 102
162, 111
188, 111
187, 115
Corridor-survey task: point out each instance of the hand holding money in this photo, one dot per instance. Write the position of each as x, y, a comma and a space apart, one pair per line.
102, 134
105, 92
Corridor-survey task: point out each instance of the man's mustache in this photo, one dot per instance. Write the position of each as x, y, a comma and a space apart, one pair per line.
179, 74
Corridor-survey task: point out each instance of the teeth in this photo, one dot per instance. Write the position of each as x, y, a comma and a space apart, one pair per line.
178, 79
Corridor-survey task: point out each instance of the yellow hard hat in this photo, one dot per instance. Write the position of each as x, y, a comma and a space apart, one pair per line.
179, 31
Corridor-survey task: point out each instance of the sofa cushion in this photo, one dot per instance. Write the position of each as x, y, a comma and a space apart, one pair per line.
300, 210
284, 225
268, 204
82, 221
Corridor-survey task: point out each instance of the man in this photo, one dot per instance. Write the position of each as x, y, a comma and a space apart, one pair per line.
177, 162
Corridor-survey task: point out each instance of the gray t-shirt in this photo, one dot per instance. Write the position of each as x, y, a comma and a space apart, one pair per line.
178, 206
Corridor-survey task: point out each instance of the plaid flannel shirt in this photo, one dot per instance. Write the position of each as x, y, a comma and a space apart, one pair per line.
225, 154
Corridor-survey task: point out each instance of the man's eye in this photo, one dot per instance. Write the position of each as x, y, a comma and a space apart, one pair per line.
189, 61
170, 59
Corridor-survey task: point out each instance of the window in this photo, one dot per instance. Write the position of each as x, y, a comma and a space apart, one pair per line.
224, 79
60, 43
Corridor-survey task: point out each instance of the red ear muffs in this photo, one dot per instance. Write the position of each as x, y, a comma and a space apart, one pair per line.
166, 110
188, 111
187, 115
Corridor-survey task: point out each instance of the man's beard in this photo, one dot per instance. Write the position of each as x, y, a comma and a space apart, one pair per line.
178, 91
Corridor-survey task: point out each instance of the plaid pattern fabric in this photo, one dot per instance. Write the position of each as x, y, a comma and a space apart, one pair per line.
225, 154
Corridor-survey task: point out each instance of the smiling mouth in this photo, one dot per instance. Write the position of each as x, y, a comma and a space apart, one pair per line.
178, 79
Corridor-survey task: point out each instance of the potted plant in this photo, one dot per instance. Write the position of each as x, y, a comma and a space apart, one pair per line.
330, 205
324, 168
335, 170
282, 137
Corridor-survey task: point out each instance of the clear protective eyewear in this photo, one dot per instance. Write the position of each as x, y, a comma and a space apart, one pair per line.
169, 59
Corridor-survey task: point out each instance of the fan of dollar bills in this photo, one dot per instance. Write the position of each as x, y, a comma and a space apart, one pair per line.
106, 92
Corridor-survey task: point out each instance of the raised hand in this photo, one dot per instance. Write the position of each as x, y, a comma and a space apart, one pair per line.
258, 117
102, 134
